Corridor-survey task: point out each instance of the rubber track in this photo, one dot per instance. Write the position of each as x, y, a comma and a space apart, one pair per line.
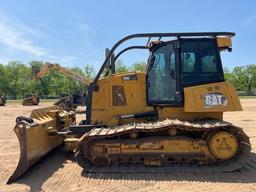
241, 160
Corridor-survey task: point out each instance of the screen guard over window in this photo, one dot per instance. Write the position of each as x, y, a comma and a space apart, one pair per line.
161, 76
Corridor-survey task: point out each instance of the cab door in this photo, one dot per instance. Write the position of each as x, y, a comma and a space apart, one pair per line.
163, 75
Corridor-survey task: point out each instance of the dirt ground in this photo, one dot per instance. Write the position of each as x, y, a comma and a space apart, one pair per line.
58, 171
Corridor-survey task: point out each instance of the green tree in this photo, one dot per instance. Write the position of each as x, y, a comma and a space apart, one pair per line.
25, 77
90, 71
4, 83
14, 74
77, 86
228, 75
244, 78
43, 85
139, 66
121, 67
250, 77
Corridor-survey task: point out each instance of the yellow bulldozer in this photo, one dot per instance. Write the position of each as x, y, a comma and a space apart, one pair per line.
171, 114
31, 99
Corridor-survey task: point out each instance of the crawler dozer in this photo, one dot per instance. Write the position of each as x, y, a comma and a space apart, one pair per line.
31, 99
171, 114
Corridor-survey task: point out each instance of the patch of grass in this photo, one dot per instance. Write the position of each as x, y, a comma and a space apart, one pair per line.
247, 97
49, 100
19, 101
14, 102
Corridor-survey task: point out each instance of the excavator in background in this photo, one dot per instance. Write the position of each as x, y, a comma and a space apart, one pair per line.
68, 102
31, 99
2, 100
149, 121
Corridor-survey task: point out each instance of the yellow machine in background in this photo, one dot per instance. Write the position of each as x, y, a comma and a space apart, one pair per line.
70, 102
2, 100
62, 70
31, 99
172, 113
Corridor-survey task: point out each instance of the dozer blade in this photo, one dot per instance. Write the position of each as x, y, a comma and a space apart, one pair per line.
38, 135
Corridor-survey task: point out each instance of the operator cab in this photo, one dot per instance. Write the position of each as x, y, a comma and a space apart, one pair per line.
176, 61
180, 63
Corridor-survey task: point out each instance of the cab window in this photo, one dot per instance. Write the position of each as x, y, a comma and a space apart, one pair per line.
208, 57
188, 62
199, 61
161, 76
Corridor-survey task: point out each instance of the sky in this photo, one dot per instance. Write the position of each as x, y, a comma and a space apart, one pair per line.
74, 33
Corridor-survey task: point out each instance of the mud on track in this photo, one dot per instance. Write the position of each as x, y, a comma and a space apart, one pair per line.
59, 172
